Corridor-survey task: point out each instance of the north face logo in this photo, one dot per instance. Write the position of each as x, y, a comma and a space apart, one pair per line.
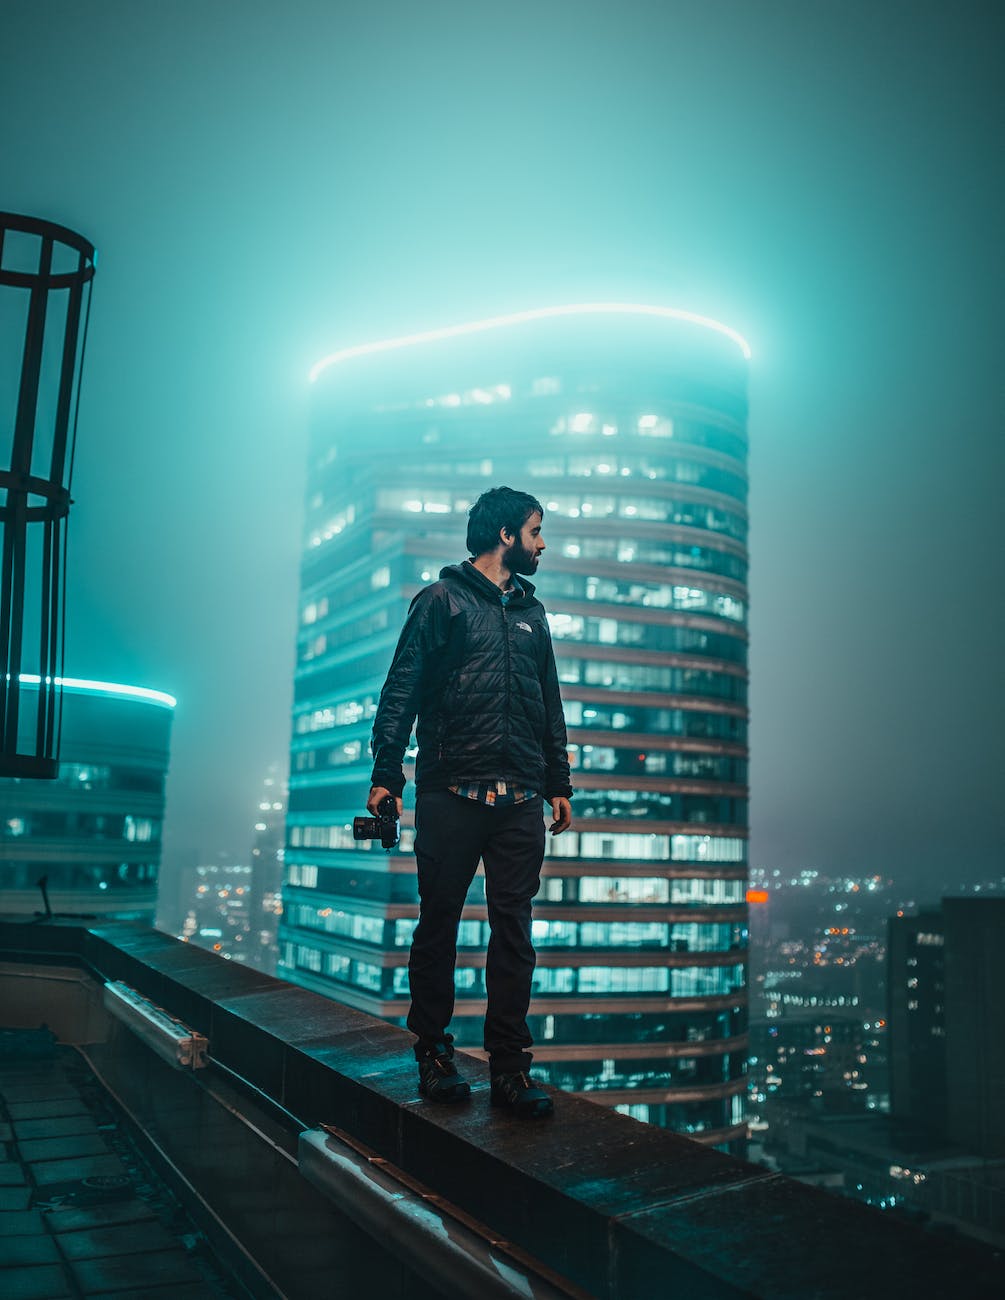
525, 627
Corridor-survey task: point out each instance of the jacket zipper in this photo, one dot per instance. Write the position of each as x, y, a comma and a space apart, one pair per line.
505, 620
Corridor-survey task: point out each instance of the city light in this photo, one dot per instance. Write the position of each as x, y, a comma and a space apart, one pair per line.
522, 317
86, 686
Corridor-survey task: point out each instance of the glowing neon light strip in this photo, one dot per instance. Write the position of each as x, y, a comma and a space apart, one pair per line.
521, 317
104, 688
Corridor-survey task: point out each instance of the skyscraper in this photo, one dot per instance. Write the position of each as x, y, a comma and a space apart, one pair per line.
94, 832
629, 424
266, 870
947, 1022
916, 993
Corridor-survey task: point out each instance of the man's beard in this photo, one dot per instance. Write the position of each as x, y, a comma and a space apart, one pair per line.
519, 560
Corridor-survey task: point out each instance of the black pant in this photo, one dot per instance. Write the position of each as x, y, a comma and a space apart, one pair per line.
452, 833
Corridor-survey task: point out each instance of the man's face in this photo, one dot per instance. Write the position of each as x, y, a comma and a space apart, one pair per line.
525, 550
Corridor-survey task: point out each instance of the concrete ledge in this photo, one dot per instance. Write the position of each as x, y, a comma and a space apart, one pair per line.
621, 1209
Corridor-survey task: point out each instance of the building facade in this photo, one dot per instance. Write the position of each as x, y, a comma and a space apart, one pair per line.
221, 915
267, 870
629, 424
947, 1022
916, 992
94, 833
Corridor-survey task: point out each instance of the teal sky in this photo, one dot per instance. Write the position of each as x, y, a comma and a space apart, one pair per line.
267, 182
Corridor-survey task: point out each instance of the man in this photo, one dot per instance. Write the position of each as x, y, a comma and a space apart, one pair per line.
475, 663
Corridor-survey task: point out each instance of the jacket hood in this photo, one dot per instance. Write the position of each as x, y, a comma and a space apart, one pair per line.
470, 576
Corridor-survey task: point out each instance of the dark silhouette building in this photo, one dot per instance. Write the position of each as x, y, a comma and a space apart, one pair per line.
975, 1022
947, 1022
916, 991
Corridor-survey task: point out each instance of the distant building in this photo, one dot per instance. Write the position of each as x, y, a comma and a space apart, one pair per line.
819, 1057
916, 989
817, 1000
892, 1166
267, 871
629, 424
947, 1022
220, 912
95, 832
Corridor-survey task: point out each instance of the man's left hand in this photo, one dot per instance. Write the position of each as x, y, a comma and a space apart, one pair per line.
561, 810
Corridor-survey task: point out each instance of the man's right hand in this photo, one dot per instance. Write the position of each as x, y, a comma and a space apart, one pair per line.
377, 792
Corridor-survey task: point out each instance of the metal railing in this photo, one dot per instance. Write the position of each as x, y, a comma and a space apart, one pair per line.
45, 292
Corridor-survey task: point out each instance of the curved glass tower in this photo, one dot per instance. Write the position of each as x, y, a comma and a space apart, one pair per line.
94, 832
629, 424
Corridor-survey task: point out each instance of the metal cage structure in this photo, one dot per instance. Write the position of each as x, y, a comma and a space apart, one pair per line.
46, 274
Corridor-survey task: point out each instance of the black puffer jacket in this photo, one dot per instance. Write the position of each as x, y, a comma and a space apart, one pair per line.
481, 678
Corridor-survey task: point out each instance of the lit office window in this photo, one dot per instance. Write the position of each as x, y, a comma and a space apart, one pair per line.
638, 1110
366, 975
337, 966
624, 934
651, 426
140, 830
705, 981
567, 626
707, 891
553, 980
632, 889
560, 934
707, 848
403, 931
308, 958
623, 979
336, 525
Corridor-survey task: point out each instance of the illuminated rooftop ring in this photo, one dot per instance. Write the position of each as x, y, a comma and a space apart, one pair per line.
520, 318
87, 687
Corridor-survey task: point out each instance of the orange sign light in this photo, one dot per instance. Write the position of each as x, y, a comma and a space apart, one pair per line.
757, 895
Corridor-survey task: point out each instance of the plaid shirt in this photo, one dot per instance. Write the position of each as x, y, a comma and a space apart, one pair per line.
497, 794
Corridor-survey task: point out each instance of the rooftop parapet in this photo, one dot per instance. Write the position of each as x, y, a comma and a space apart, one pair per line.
607, 1206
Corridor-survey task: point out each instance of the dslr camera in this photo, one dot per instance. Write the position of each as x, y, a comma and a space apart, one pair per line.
383, 827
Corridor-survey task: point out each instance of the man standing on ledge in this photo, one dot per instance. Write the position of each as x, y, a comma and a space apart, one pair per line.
475, 663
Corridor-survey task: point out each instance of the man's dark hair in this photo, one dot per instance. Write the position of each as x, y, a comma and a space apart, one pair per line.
500, 507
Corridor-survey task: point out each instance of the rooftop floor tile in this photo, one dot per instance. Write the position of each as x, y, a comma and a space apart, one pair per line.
68, 1126
47, 1173
20, 1223
166, 1268
76, 1218
26, 1250
122, 1239
62, 1148
45, 1109
14, 1198
46, 1282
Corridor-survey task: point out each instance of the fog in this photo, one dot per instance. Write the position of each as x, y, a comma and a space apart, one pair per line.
266, 183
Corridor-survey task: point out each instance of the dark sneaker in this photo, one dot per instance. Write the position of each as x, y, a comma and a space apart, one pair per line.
520, 1096
438, 1077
